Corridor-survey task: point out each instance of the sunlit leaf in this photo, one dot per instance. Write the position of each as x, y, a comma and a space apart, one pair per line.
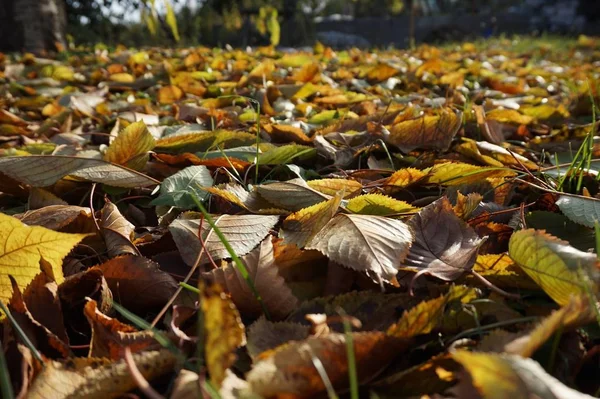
377, 204
97, 378
454, 173
223, 329
428, 132
553, 264
373, 244
21, 248
427, 315
582, 210
289, 368
300, 227
509, 376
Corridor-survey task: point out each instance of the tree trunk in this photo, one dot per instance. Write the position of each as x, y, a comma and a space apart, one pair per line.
32, 25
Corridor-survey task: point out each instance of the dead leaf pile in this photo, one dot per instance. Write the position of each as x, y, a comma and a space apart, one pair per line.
179, 223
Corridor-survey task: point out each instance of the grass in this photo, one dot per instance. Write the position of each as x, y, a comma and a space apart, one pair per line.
582, 160
5, 384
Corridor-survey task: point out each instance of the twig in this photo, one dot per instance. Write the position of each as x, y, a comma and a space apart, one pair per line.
138, 378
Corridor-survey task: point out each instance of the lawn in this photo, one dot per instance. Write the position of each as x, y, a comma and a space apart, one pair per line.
230, 223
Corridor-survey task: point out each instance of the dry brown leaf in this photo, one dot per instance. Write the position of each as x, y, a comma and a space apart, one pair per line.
42, 338
110, 337
117, 231
289, 369
373, 244
444, 246
41, 299
243, 232
264, 335
260, 263
93, 378
138, 283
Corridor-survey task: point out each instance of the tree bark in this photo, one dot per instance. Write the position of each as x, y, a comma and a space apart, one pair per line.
37, 26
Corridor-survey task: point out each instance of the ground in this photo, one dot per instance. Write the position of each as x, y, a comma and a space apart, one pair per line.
259, 223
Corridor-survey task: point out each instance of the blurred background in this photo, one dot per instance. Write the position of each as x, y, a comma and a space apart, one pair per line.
48, 25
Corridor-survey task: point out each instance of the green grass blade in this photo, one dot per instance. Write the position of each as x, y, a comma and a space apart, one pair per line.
5, 384
21, 333
350, 355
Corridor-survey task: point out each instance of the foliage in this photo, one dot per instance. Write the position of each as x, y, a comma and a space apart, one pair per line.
264, 224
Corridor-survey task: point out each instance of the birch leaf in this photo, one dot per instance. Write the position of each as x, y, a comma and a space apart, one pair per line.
21, 248
45, 170
373, 244
244, 232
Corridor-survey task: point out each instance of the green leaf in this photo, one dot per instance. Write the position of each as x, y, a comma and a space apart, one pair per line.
177, 190
582, 210
285, 154
553, 264
378, 204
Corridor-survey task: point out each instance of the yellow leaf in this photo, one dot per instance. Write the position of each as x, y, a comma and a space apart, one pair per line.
378, 204
560, 269
502, 271
130, 148
492, 376
574, 314
169, 94
433, 132
122, 78
332, 186
21, 248
403, 178
427, 315
223, 329
300, 227
455, 173
509, 116
203, 141
381, 72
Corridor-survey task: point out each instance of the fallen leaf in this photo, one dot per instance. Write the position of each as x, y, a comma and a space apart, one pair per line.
243, 232
505, 376
21, 248
558, 268
289, 369
94, 378
300, 227
223, 329
428, 132
138, 283
117, 231
45, 170
131, 147
110, 337
260, 263
373, 244
444, 246
180, 189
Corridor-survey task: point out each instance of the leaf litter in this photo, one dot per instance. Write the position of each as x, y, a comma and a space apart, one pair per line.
356, 223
